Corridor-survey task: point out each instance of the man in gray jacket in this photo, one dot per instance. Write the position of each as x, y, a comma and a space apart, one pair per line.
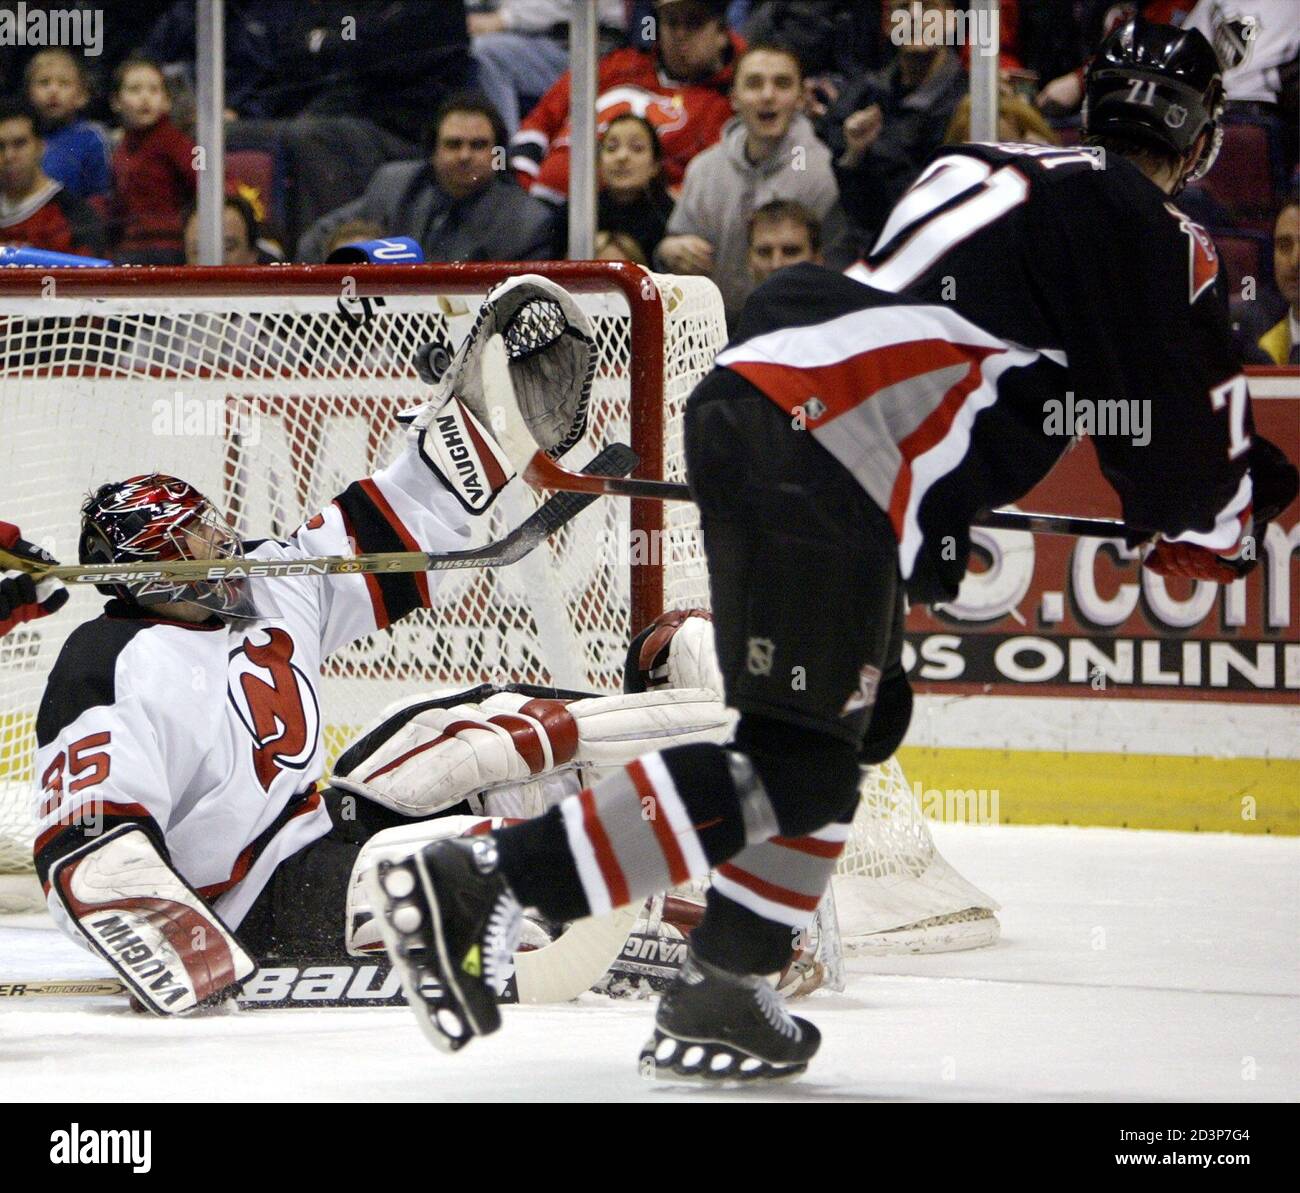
768, 151
456, 204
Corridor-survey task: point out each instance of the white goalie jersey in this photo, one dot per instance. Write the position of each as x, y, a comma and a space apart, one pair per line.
209, 735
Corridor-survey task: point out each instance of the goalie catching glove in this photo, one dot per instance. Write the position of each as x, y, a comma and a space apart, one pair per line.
148, 923
551, 355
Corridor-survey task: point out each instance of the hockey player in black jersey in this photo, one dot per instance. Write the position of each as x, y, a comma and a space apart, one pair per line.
838, 453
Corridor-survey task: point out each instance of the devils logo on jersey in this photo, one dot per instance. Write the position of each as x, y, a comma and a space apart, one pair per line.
276, 704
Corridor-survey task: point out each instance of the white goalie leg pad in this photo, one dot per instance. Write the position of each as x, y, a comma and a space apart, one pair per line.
148, 923
442, 756
676, 650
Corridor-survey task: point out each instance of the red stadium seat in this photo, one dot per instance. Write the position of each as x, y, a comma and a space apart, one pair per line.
257, 168
1242, 178
1245, 254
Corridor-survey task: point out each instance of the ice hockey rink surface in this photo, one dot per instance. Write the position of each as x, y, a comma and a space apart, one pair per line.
1133, 966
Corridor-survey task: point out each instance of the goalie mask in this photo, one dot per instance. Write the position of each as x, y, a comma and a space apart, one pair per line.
158, 517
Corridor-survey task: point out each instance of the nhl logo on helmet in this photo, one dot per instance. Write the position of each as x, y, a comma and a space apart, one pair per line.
1157, 86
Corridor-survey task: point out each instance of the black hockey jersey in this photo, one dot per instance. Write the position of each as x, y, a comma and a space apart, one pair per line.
1018, 297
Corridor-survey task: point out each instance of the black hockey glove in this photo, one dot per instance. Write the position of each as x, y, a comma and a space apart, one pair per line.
21, 597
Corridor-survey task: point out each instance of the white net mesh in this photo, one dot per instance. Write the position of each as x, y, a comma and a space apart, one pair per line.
271, 405
273, 401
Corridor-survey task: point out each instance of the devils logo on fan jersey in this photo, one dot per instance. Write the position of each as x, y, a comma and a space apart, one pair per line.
667, 113
276, 704
1202, 256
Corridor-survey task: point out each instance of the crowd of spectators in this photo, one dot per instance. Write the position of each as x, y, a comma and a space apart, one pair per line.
734, 135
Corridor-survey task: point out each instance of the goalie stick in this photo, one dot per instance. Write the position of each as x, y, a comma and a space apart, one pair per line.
542, 472
613, 461
557, 972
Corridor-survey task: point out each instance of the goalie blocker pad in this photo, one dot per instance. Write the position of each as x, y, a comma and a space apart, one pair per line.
434, 754
676, 650
464, 456
148, 923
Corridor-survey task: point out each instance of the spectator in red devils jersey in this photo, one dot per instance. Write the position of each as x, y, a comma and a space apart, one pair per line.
680, 87
35, 210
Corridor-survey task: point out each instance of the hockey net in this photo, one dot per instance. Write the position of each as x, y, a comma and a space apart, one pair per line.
271, 389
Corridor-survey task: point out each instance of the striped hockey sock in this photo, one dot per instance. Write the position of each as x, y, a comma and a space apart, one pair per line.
764, 898
658, 822
783, 879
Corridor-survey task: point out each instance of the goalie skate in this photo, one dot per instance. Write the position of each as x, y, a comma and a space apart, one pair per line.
450, 926
714, 1026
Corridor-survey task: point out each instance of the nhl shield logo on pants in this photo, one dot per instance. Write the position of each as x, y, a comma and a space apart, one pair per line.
762, 651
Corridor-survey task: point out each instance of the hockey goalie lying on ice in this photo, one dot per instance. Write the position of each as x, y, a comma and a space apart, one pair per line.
184, 832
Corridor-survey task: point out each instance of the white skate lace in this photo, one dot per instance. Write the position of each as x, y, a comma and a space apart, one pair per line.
499, 942
773, 1008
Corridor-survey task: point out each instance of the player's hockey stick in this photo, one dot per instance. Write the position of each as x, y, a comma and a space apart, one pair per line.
540, 471
615, 460
576, 960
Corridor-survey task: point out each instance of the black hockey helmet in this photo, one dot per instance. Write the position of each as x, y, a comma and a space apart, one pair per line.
1158, 85
158, 517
